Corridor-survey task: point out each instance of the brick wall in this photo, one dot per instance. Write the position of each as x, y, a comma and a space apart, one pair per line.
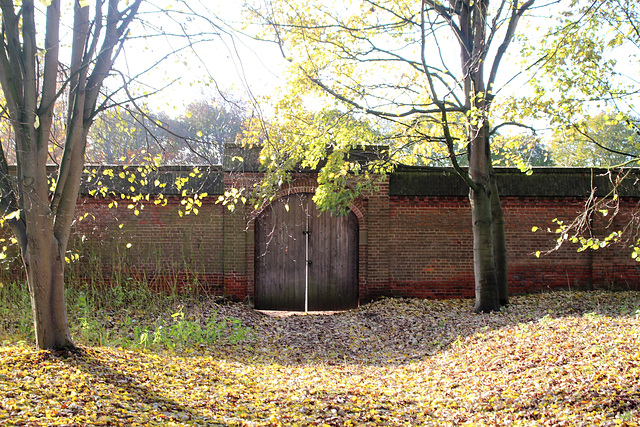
415, 240
157, 245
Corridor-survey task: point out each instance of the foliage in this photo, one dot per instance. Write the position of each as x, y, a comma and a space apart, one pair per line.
564, 358
604, 140
119, 136
582, 62
379, 61
341, 146
130, 315
522, 151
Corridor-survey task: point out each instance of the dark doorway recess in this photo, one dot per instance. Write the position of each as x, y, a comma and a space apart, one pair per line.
305, 260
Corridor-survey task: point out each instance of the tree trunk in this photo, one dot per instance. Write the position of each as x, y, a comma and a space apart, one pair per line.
480, 172
499, 244
44, 263
483, 252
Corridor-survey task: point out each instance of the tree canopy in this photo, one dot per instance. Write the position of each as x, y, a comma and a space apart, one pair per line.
584, 63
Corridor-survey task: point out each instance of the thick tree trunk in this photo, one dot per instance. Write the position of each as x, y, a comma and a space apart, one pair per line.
44, 263
483, 255
499, 245
480, 172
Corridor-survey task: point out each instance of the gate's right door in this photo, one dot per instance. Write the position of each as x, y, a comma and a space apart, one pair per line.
333, 256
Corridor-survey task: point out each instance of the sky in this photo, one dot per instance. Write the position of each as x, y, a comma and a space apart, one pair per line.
220, 59
233, 63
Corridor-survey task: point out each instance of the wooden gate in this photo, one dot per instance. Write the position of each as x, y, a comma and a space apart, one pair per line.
305, 261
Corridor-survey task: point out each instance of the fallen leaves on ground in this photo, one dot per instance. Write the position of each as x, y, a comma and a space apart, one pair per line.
559, 359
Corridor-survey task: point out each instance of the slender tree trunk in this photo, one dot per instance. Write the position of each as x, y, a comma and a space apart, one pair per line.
42, 251
499, 244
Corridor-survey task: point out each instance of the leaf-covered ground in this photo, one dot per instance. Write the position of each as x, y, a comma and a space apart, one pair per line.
558, 359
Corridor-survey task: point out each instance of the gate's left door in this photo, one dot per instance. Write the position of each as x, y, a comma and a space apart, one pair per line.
281, 254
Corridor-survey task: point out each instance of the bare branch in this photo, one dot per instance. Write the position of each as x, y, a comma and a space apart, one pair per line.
517, 124
378, 113
609, 149
516, 14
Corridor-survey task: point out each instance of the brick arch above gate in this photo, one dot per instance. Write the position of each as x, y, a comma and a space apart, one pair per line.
356, 206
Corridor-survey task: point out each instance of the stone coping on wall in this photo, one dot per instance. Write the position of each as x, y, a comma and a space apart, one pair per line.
404, 181
541, 182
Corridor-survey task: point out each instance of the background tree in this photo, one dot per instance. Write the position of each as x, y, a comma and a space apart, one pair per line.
602, 141
121, 136
391, 60
29, 73
521, 150
198, 136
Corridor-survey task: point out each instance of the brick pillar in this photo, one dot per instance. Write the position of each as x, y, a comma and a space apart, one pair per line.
378, 243
235, 253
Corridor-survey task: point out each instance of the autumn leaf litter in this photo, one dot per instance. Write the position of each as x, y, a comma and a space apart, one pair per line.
564, 358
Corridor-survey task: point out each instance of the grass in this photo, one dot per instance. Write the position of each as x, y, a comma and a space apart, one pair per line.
564, 358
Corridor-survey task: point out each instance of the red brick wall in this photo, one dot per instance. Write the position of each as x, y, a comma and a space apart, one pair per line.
431, 249
430, 242
157, 245
411, 246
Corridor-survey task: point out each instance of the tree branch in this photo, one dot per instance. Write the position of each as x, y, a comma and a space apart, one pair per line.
495, 129
516, 13
611, 150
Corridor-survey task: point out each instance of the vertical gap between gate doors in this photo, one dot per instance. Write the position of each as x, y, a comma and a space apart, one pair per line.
306, 261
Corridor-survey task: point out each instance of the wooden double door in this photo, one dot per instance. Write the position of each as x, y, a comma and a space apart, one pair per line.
305, 260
